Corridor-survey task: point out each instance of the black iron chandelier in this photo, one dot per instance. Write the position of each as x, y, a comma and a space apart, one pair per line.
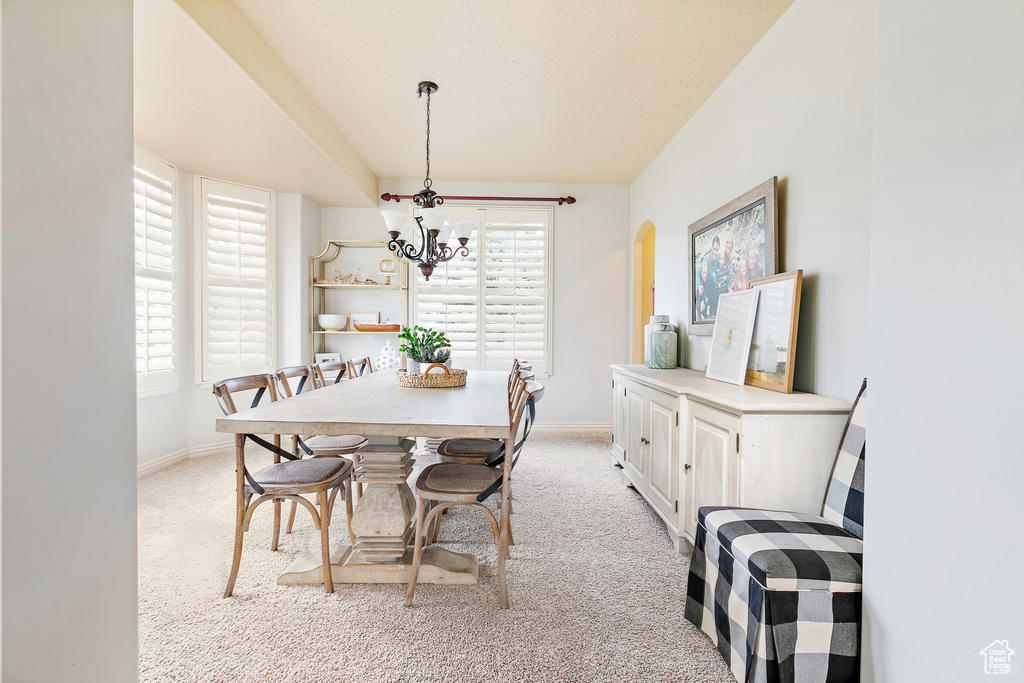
432, 227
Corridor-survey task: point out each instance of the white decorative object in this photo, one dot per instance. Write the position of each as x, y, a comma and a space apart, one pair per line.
331, 322
388, 358
734, 329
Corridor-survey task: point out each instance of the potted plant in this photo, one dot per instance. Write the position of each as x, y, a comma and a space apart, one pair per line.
424, 347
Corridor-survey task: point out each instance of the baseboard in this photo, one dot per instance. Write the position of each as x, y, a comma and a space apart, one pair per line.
163, 462
174, 458
573, 427
211, 449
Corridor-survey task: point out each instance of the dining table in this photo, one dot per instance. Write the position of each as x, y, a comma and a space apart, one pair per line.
390, 416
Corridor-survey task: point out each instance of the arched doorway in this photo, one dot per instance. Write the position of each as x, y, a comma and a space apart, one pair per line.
643, 286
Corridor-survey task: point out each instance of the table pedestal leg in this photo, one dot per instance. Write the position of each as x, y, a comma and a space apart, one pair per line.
382, 529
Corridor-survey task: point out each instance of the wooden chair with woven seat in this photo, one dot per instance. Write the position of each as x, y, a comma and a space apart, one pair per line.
357, 367
470, 450
444, 485
324, 373
316, 446
289, 480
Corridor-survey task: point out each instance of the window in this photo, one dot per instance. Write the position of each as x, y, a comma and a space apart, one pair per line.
495, 304
155, 352
235, 253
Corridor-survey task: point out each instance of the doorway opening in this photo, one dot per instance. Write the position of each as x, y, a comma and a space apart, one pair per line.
643, 286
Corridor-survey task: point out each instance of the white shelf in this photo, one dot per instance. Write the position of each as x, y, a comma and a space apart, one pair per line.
350, 332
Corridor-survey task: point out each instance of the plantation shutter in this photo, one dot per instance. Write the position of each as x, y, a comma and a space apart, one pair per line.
155, 353
493, 304
449, 301
515, 288
237, 284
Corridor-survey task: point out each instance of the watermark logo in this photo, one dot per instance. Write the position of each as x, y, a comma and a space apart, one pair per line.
997, 657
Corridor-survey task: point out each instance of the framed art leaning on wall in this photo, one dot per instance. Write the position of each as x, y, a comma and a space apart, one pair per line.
728, 249
773, 348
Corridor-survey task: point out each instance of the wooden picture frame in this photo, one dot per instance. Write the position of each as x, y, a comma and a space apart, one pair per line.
734, 330
744, 234
362, 318
778, 315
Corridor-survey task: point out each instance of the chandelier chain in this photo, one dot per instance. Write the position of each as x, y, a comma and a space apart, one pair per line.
427, 182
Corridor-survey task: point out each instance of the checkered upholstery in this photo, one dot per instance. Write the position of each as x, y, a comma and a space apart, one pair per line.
779, 592
788, 550
844, 499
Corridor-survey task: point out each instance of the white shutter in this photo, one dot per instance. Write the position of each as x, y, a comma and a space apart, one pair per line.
494, 304
515, 289
236, 250
155, 350
449, 301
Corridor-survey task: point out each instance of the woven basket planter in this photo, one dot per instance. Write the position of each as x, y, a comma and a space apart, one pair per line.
436, 380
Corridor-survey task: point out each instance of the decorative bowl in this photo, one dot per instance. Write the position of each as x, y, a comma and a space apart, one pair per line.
331, 322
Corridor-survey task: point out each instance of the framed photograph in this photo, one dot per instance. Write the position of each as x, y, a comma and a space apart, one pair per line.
730, 343
773, 348
728, 249
362, 318
326, 357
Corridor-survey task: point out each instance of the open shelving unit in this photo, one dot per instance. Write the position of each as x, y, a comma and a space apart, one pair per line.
343, 298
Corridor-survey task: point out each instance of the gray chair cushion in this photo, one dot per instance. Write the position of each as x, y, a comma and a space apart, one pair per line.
345, 442
308, 471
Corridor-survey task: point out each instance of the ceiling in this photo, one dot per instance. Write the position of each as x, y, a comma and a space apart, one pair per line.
319, 97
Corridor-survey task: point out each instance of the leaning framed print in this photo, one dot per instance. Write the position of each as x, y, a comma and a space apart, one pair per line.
773, 349
728, 249
730, 344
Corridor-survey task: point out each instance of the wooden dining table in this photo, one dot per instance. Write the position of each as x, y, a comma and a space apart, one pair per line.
389, 415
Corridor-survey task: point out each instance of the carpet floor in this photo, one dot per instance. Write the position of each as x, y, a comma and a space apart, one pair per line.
595, 586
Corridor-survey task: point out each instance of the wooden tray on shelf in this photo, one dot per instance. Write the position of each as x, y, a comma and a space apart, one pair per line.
378, 328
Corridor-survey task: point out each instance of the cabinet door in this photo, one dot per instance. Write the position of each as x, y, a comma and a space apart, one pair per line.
635, 450
663, 473
619, 428
713, 453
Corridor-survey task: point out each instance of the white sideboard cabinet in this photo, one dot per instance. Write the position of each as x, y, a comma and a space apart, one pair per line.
685, 441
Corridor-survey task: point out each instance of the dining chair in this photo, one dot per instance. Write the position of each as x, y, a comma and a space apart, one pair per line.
288, 480
476, 450
324, 372
318, 446
444, 485
357, 367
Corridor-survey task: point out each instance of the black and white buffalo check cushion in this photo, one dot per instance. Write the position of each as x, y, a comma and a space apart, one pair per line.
844, 499
788, 550
779, 595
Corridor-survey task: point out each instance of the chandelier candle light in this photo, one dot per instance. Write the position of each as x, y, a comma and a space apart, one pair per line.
435, 230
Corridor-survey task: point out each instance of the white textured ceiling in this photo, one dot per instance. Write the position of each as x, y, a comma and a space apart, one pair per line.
581, 91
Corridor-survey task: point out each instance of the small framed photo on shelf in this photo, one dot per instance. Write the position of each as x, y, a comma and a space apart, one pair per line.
773, 348
326, 357
362, 318
730, 342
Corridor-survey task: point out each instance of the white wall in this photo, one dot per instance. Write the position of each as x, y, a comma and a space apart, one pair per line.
590, 288
943, 499
799, 107
298, 238
69, 565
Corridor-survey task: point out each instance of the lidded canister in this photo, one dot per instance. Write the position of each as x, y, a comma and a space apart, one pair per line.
661, 343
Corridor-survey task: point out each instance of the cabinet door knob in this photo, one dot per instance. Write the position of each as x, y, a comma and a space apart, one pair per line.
686, 466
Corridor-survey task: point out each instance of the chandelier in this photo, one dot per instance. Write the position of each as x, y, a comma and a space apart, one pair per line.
424, 239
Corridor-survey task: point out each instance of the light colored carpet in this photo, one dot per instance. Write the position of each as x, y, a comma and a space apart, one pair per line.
596, 589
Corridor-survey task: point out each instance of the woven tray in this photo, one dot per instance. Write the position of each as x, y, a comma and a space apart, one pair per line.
432, 380
377, 328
